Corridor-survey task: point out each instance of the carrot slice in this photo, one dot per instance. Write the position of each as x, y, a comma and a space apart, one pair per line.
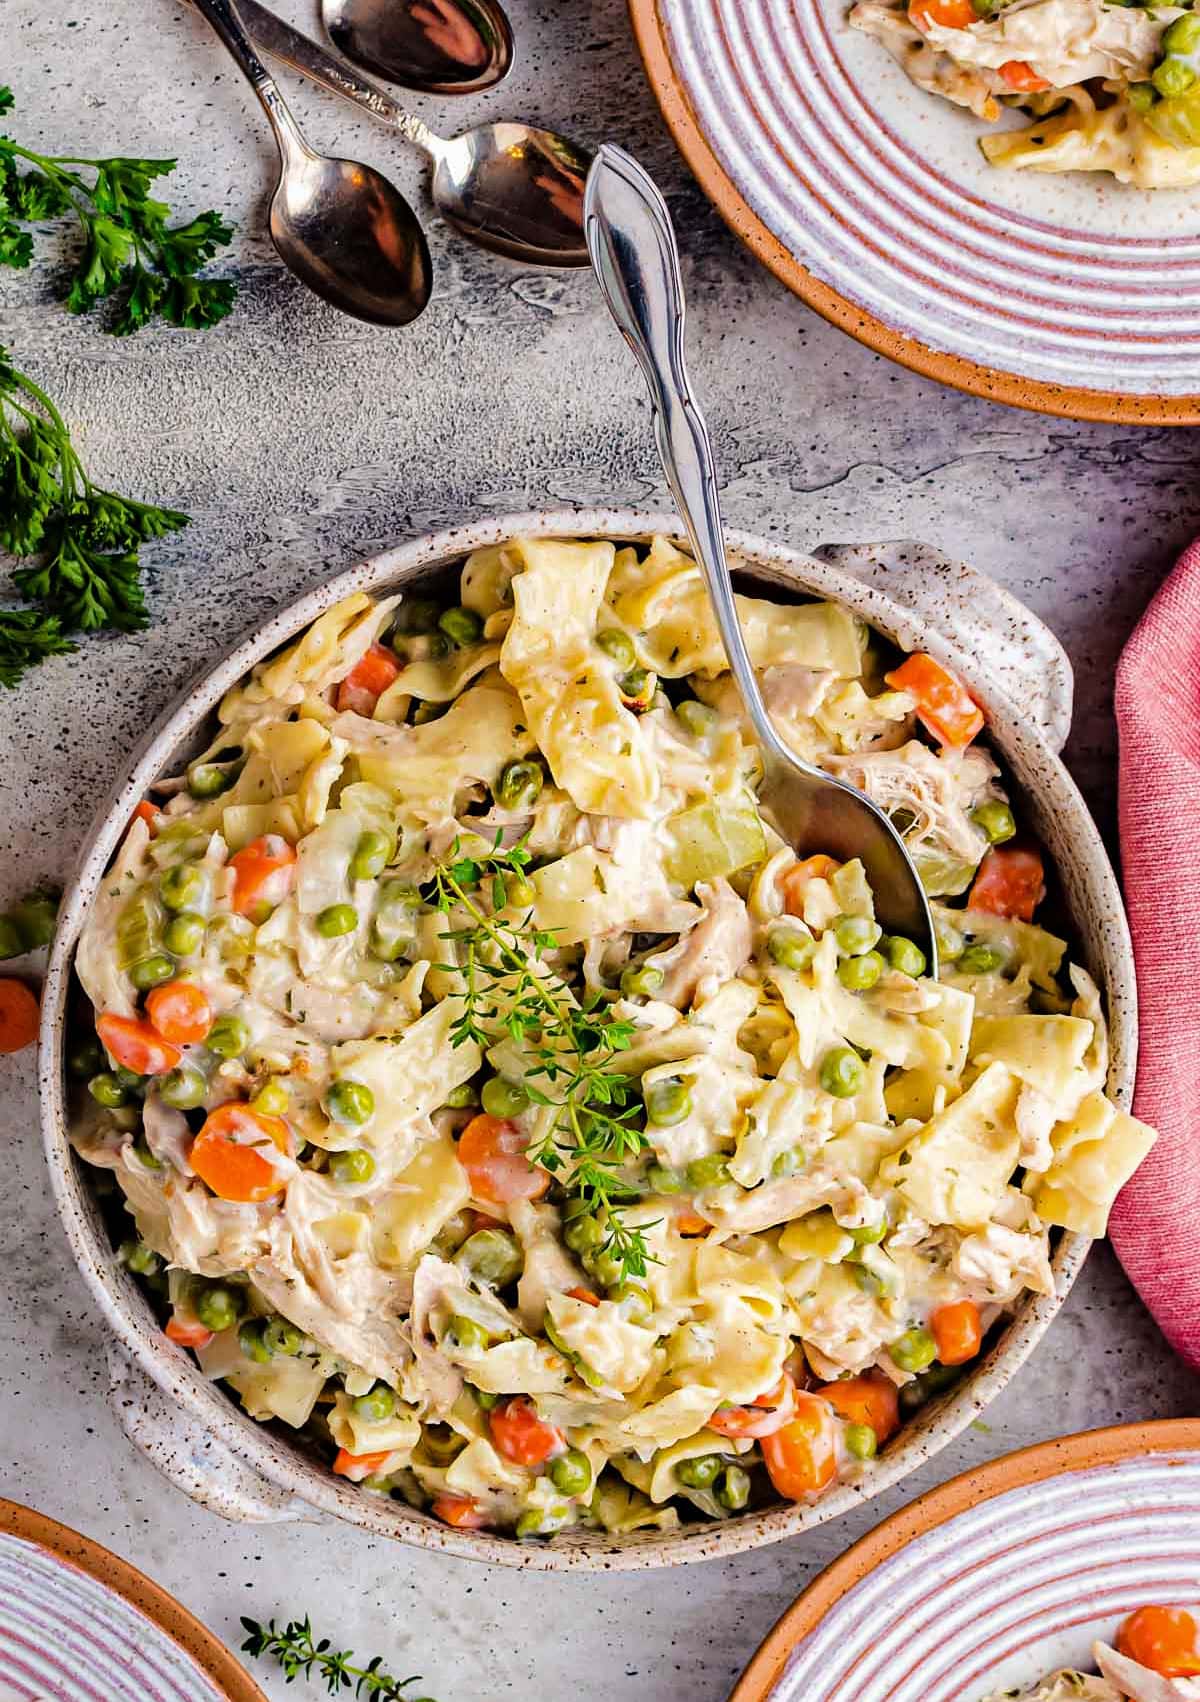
187, 1332
584, 1294
263, 872
689, 1222
180, 1011
951, 14
1010, 882
492, 1152
459, 1511
367, 681
521, 1436
358, 1466
1020, 75
944, 705
801, 1459
763, 1417
18, 1016
223, 1154
135, 1044
1163, 1639
148, 813
796, 880
957, 1330
871, 1399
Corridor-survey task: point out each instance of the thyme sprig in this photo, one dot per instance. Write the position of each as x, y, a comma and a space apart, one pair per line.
574, 1045
301, 1656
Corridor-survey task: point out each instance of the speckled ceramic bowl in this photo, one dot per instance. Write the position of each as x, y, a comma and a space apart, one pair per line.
197, 1435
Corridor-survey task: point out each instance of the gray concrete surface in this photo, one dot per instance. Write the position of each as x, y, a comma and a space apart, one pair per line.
299, 440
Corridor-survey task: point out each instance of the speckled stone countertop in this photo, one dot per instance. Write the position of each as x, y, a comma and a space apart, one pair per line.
299, 441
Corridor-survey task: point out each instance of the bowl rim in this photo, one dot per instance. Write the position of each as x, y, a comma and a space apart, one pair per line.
1038, 1462
280, 1462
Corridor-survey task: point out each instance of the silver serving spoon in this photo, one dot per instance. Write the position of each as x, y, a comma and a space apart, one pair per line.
442, 47
508, 187
633, 251
340, 226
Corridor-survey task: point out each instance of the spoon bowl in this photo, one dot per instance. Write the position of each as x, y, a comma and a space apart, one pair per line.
441, 47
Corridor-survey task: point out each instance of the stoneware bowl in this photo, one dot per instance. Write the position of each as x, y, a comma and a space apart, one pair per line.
998, 1577
196, 1434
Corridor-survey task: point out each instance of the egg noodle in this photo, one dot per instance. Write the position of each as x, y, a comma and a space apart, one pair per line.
500, 1102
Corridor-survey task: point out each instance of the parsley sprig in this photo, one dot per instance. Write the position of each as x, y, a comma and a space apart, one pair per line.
574, 1045
86, 538
131, 256
301, 1656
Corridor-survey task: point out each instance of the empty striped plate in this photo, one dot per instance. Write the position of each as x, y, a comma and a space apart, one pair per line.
999, 1576
79, 1625
870, 198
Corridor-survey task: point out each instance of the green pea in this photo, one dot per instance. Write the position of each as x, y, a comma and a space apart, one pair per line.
390, 947
949, 941
1141, 96
152, 971
85, 1057
983, 8
372, 855
129, 1078
619, 646
539, 1524
788, 1163
180, 887
519, 892
668, 1102
355, 1165
860, 973
664, 1181
700, 1473
635, 684
491, 1256
935, 1381
733, 1488
861, 1441
697, 718
842, 1072
606, 1269
571, 1473
11, 943
519, 785
350, 1102
272, 1097
994, 819
635, 1301
856, 934
399, 895
904, 955
184, 934
417, 614
252, 1339
210, 779
145, 1157
462, 1096
441, 1443
375, 1406
282, 1337
502, 1097
467, 1334
136, 1256
106, 1090
336, 920
869, 1281
1182, 36
1172, 77
790, 948
461, 626
183, 1089
217, 1307
35, 918
980, 960
709, 1171
486, 1399
584, 1234
228, 1037
642, 982
915, 1350
868, 1234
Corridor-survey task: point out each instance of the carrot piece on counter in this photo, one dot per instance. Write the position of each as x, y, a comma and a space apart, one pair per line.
136, 1045
871, 1399
1163, 1639
1011, 881
801, 1459
944, 705
225, 1153
367, 681
180, 1011
957, 1330
18, 1016
521, 1436
492, 1152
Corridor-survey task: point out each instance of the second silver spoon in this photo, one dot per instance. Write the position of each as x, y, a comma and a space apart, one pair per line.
511, 188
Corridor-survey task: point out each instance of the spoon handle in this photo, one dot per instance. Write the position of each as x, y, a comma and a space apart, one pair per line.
315, 62
632, 245
228, 25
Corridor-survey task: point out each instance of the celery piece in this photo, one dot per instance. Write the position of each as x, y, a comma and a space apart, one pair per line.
711, 840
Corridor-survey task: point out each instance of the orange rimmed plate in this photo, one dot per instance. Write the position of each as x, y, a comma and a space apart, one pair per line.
1070, 294
997, 1577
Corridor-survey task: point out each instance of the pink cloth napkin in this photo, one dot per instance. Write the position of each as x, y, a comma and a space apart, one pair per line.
1155, 1226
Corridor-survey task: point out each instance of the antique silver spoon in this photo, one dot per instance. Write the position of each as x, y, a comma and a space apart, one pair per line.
340, 226
634, 253
510, 188
442, 47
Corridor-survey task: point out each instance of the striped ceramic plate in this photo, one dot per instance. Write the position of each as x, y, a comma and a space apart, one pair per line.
79, 1625
999, 1576
870, 198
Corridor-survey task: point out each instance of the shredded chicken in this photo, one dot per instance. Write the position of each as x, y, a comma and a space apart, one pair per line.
1035, 1116
939, 789
548, 1267
999, 1263
167, 1134
441, 1380
710, 953
925, 65
1131, 1679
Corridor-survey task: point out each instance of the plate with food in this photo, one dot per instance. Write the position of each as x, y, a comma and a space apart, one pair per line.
1067, 1572
1000, 194
78, 1624
491, 1130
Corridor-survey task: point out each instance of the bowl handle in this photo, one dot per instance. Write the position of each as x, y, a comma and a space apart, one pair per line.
1021, 654
192, 1457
